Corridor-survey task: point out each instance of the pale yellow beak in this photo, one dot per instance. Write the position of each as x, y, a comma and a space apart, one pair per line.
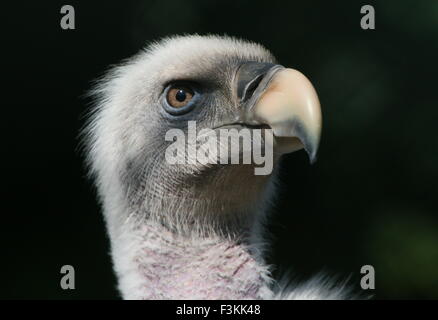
290, 106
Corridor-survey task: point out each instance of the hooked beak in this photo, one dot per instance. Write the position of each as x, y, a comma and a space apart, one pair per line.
285, 100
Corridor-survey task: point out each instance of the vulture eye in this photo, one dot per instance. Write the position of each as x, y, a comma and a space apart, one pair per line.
179, 96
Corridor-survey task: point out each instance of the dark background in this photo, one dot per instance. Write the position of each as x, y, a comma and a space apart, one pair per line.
370, 199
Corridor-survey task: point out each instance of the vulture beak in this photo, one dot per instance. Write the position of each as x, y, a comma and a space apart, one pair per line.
283, 99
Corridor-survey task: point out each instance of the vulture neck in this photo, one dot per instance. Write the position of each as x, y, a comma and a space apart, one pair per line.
160, 264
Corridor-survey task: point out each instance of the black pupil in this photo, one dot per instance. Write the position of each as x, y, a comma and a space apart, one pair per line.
181, 95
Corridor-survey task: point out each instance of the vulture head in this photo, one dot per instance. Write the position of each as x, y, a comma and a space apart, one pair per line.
192, 229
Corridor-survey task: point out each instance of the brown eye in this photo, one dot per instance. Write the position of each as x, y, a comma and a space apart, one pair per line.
179, 97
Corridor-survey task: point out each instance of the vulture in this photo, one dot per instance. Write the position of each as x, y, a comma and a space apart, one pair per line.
194, 230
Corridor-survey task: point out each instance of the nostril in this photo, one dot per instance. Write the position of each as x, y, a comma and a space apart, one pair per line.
251, 87
248, 77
